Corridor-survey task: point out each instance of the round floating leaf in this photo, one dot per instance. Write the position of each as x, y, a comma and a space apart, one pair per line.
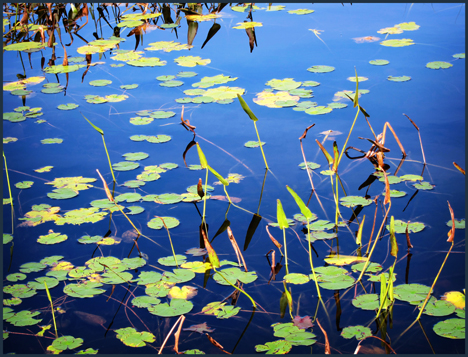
135, 209
135, 156
366, 301
413, 293
459, 55
19, 290
24, 318
186, 74
194, 91
296, 278
52, 141
9, 140
301, 11
408, 26
130, 337
397, 43
424, 186
321, 69
39, 283
186, 292
379, 62
193, 188
301, 218
13, 117
125, 166
459, 223
169, 165
175, 308
317, 110
337, 105
145, 301
133, 183
21, 92
293, 334
353, 201
138, 137
147, 62
128, 197
359, 331
157, 139
68, 106
253, 144
439, 308
275, 347
202, 99
24, 184
53, 90
165, 78
168, 198
171, 262
399, 79
438, 65
195, 167
117, 65
371, 268
400, 226
191, 61
451, 328
411, 178
32, 267
156, 223
83, 290
391, 179
283, 84
247, 25
285, 103
113, 278
62, 194
234, 274
169, 26
129, 86
7, 238
395, 193
161, 114
184, 100
15, 277
100, 82
148, 277
170, 83
52, 238
24, 46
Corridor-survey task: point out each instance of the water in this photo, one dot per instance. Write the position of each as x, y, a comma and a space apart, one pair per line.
434, 99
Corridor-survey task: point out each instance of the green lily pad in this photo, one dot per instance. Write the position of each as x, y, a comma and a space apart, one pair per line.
283, 84
459, 224
53, 90
140, 120
171, 83
424, 186
135, 210
203, 99
75, 183
130, 337
400, 226
128, 197
63, 69
125, 166
317, 110
439, 65
129, 86
275, 347
32, 267
13, 117
133, 183
113, 278
157, 223
399, 79
321, 69
234, 274
353, 201
24, 184
451, 328
175, 308
195, 167
83, 290
296, 278
206, 82
459, 55
39, 283
52, 238
68, 106
293, 334
413, 293
411, 178
135, 156
9, 139
52, 141
186, 74
145, 301
62, 194
379, 62
19, 290
194, 91
168, 198
15, 277
397, 42
24, 46
157, 139
253, 144
171, 262
184, 100
376, 278
366, 301
165, 78
24, 318
439, 308
148, 277
371, 268
395, 193
337, 105
321, 225
11, 302
7, 238
100, 83
20, 92
359, 331
161, 114
391, 179
218, 309
301, 218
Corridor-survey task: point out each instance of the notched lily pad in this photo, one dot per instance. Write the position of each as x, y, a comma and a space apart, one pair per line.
130, 337
359, 331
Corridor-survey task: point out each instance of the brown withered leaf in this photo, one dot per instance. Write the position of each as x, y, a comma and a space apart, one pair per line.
303, 322
305, 132
327, 343
214, 342
366, 39
275, 242
200, 188
200, 328
459, 168
451, 233
190, 144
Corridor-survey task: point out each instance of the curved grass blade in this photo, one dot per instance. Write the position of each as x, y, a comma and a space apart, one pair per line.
304, 209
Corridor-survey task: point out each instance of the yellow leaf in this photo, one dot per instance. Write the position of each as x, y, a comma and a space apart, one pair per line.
185, 293
247, 25
456, 298
344, 259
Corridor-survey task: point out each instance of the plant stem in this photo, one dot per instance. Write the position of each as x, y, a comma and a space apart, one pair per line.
204, 197
310, 260
8, 179
285, 251
52, 307
108, 158
235, 287
261, 148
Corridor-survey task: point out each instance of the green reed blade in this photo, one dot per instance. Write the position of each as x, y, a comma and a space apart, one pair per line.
246, 108
201, 156
218, 176
359, 234
304, 209
52, 307
281, 217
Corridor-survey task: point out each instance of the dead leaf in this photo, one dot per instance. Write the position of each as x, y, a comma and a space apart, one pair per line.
200, 328
366, 39
225, 199
303, 322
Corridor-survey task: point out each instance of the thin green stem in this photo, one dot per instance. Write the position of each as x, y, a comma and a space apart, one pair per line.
170, 241
349, 134
310, 260
285, 251
8, 179
261, 148
204, 197
52, 307
108, 158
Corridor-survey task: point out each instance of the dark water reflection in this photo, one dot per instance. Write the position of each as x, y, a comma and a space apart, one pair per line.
434, 99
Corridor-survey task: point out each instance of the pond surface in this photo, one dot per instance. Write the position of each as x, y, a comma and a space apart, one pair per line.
274, 61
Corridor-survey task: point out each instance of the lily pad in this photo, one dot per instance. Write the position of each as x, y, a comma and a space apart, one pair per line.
129, 86
83, 290
459, 55
157, 223
359, 331
379, 62
234, 274
424, 186
147, 62
301, 11
218, 309
135, 156
439, 65
411, 178
24, 184
52, 238
400, 226
62, 194
186, 292
128, 197
206, 82
253, 144
399, 79
168, 198
191, 61
296, 278
68, 106
172, 83
283, 84
19, 290
397, 43
24, 318
186, 74
366, 301
451, 328
353, 201
276, 347
52, 141
439, 308
161, 114
125, 166
321, 69
317, 110
171, 262
130, 337
100, 82
293, 334
39, 283
145, 301
175, 308
413, 293
459, 223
